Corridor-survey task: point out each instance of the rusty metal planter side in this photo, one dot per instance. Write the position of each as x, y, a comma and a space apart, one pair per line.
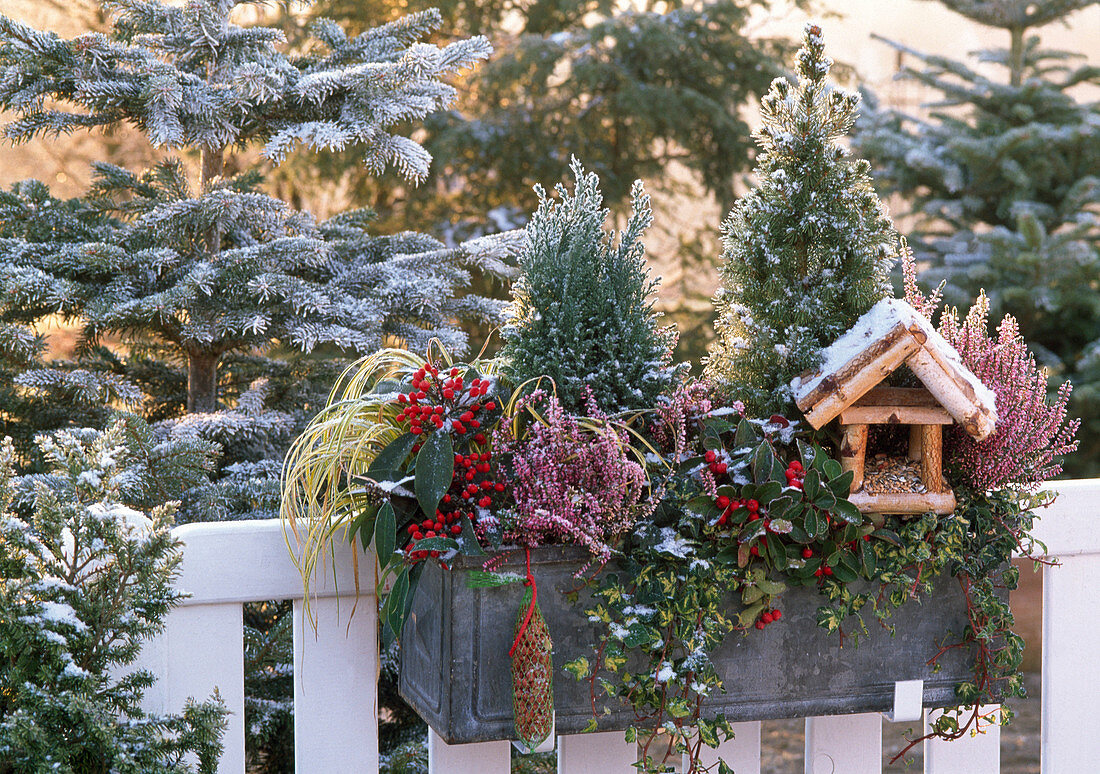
455, 670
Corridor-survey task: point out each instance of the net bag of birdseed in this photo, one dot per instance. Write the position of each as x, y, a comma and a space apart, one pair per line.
532, 674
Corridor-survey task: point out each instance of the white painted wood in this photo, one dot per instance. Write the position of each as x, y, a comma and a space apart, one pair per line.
477, 758
336, 687
250, 561
844, 744
977, 754
742, 753
202, 648
1071, 671
1068, 527
604, 752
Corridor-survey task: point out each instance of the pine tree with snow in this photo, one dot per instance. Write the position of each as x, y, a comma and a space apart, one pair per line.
583, 310
807, 251
84, 579
1001, 177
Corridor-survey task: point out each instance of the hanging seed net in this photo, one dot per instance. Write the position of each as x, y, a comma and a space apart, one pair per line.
532, 676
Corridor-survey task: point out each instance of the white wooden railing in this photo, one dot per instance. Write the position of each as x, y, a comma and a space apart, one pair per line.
335, 669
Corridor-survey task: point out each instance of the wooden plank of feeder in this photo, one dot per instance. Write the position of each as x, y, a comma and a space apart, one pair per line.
914, 443
855, 379
904, 502
853, 453
931, 460
953, 393
896, 415
898, 396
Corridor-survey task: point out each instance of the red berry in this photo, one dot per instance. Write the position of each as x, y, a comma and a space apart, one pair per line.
795, 465
448, 393
817, 572
754, 551
759, 624
435, 554
402, 398
412, 529
454, 372
720, 468
467, 416
777, 614
485, 502
722, 502
456, 529
828, 570
458, 428
446, 498
753, 506
867, 538
415, 431
807, 553
480, 438
499, 487
710, 456
766, 618
475, 424
491, 406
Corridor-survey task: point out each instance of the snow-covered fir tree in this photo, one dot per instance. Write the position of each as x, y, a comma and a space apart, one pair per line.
583, 310
1002, 179
808, 250
84, 579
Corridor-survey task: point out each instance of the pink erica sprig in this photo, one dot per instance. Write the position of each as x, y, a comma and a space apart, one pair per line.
573, 478
1032, 433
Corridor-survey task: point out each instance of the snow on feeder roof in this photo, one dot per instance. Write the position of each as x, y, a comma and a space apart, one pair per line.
891, 334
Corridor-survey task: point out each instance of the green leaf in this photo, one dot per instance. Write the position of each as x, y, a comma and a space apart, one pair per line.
467, 539
746, 435
769, 493
888, 535
385, 534
777, 554
436, 544
815, 525
870, 560
832, 469
435, 465
631, 735
842, 485
393, 611
771, 587
392, 457
811, 485
483, 579
578, 668
847, 512
751, 594
762, 460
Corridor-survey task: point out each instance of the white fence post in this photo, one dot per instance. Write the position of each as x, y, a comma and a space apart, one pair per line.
844, 744
203, 649
603, 752
336, 687
476, 758
978, 754
742, 753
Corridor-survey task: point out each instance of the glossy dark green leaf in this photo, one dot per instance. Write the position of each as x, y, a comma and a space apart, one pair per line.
777, 554
762, 460
435, 464
842, 485
745, 436
392, 457
811, 485
814, 523
467, 540
385, 534
436, 544
870, 560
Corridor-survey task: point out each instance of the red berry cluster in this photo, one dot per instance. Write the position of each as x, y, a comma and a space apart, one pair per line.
767, 617
795, 474
435, 402
716, 467
472, 484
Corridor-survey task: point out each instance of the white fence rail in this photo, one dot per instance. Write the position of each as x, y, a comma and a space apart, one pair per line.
336, 668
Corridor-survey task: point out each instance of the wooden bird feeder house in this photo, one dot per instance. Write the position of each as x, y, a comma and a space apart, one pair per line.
849, 384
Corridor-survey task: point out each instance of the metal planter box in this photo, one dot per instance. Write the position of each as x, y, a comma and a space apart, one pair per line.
456, 673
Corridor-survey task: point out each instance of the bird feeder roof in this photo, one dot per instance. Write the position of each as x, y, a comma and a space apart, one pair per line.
891, 334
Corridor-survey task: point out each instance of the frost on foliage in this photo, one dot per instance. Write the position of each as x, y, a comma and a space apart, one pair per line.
807, 251
583, 312
87, 578
151, 69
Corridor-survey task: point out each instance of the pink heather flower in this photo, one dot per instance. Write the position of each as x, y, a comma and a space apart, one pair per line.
573, 478
1032, 433
677, 418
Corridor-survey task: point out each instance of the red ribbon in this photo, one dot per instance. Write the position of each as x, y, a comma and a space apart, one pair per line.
530, 608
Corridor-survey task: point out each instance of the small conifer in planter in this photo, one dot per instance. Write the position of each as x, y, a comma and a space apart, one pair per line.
807, 251
583, 310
